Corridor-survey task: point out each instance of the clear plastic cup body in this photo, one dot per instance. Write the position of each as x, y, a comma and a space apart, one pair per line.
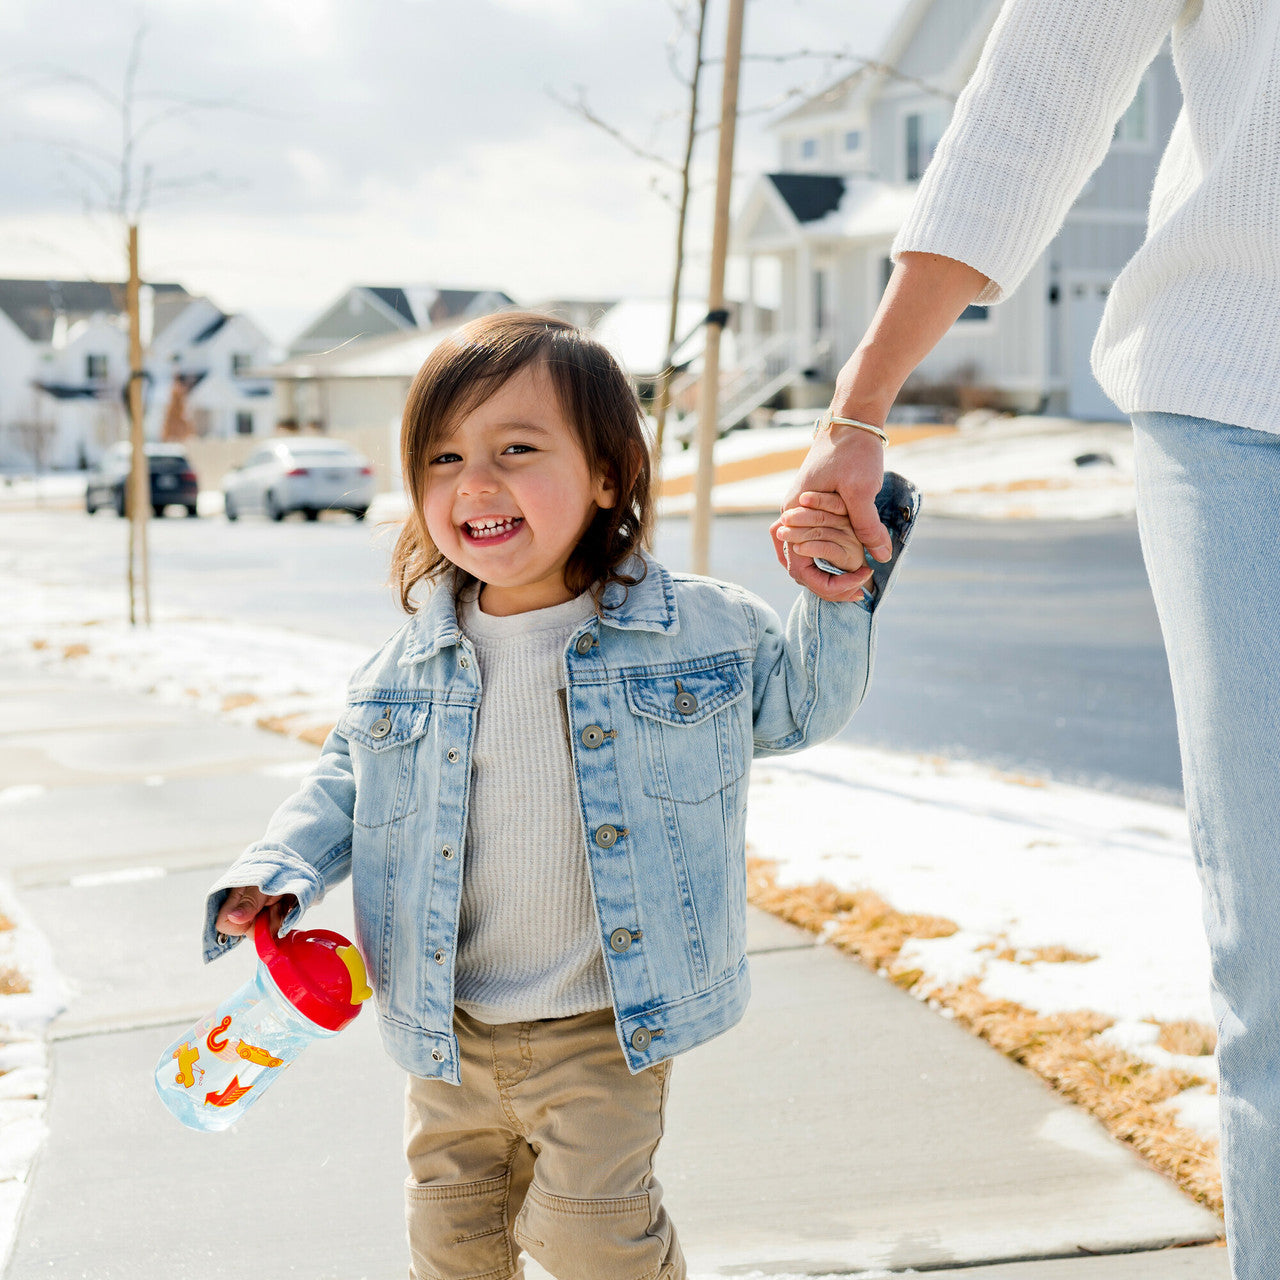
218, 1068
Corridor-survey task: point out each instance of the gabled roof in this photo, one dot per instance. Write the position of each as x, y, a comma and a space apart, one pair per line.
445, 304
33, 305
830, 99
809, 196
209, 330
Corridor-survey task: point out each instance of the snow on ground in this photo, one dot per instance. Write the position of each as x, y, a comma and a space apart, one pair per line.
57, 489
1016, 863
998, 468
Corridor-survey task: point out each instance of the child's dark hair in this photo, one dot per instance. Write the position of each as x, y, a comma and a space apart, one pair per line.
595, 396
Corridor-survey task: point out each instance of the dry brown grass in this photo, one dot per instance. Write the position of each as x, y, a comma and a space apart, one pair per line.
296, 726
1044, 955
5, 923
75, 650
39, 644
1127, 1094
13, 983
1195, 1039
234, 701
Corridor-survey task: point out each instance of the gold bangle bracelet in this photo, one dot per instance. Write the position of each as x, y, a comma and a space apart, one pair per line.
829, 419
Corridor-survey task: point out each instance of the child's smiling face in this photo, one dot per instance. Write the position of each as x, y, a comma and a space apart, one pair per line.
509, 494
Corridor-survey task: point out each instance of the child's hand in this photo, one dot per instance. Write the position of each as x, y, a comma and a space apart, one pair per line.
242, 906
819, 527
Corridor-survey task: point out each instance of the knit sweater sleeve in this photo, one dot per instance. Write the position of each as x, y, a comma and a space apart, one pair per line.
1034, 121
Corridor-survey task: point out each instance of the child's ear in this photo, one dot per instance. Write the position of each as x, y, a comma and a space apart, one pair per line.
606, 492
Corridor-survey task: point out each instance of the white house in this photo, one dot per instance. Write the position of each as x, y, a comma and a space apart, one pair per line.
64, 368
849, 162
368, 311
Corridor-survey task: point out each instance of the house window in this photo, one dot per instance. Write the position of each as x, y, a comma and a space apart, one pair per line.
853, 139
809, 149
924, 131
95, 368
241, 362
244, 424
1132, 127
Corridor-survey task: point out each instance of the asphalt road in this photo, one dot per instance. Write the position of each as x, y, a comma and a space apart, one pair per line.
1033, 646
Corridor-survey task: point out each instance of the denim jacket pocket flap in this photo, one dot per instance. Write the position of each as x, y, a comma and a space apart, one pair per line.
378, 726
686, 697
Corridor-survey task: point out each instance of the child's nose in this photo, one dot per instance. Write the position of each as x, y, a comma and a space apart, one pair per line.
477, 477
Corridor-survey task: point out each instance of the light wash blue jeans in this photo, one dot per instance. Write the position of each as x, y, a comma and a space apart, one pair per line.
1209, 517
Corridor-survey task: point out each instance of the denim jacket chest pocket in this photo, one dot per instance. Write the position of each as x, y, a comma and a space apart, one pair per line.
384, 738
690, 731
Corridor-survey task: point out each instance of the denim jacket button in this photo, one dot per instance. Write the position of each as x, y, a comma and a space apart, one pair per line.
585, 644
380, 728
641, 1038
620, 940
686, 703
437, 1055
452, 755
440, 957
606, 836
592, 736
447, 852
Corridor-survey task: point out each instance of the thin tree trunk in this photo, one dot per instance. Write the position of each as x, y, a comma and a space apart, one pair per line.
664, 379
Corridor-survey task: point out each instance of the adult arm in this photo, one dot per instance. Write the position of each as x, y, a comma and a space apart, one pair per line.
1035, 119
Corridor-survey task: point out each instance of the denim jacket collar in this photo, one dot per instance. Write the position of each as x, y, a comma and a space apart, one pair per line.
649, 605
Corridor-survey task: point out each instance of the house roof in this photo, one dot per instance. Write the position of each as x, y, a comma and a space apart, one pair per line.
827, 100
809, 196
34, 305
444, 304
209, 330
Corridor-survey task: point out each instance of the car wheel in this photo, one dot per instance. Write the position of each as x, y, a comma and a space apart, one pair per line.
120, 504
274, 510
311, 513
192, 513
157, 509
90, 507
360, 512
229, 508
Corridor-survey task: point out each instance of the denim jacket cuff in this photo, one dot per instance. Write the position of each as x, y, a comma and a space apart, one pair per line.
275, 870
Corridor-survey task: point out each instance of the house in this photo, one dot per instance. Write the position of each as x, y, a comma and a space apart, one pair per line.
817, 232
219, 357
64, 368
375, 311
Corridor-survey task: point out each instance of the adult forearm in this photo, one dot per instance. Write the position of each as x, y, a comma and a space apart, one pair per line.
926, 294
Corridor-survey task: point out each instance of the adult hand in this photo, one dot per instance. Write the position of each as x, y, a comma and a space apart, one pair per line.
830, 511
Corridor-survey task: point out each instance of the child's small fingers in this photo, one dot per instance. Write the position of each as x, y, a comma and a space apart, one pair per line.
832, 502
814, 517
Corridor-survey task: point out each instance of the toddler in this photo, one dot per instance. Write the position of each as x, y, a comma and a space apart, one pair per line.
538, 787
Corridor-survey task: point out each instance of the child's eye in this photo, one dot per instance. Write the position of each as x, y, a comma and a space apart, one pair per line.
446, 457
519, 448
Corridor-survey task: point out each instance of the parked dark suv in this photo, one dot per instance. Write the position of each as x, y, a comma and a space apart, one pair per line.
172, 480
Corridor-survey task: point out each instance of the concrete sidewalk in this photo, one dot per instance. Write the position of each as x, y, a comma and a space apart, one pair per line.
842, 1127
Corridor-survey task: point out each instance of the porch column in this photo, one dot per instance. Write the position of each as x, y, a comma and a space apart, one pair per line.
804, 302
750, 321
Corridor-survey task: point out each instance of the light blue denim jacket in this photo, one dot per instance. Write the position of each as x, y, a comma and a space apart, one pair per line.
669, 693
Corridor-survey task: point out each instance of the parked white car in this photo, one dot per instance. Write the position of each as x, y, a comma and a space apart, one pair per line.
306, 475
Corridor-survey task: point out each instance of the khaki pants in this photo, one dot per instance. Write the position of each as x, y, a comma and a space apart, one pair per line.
546, 1146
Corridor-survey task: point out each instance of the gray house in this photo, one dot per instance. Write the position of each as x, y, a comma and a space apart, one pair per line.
376, 311
816, 234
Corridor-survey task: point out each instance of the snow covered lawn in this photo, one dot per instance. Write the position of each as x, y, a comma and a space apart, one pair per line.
1001, 468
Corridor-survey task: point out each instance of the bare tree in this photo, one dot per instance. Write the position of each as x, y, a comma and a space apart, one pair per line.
121, 182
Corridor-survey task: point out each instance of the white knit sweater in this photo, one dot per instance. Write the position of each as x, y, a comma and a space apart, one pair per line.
529, 941
1192, 325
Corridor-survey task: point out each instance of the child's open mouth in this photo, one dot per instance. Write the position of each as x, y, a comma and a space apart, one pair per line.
491, 529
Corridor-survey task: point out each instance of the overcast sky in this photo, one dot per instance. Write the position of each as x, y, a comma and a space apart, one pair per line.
382, 141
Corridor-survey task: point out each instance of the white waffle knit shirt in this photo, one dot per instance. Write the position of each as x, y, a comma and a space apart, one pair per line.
1192, 325
529, 942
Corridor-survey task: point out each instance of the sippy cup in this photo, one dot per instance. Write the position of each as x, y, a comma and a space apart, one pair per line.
308, 985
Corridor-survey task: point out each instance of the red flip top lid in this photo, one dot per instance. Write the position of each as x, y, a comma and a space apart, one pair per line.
319, 972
